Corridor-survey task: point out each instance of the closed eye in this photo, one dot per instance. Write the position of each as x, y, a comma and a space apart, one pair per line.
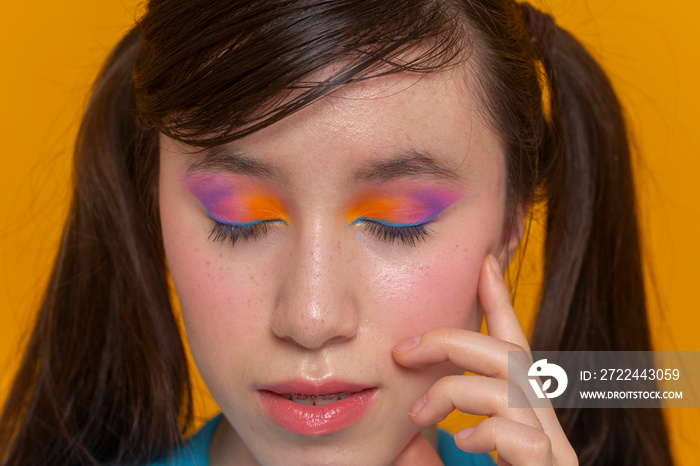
405, 233
223, 231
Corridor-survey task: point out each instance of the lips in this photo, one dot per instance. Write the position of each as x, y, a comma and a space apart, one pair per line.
315, 409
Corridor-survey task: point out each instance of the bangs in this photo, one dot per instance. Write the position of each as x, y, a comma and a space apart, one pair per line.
242, 66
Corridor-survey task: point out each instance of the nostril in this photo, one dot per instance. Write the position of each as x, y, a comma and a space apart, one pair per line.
317, 327
315, 304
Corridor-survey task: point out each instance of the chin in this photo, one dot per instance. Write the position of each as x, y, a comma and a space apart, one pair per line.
377, 450
374, 441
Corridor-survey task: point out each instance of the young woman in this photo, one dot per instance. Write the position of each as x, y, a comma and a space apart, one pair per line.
335, 188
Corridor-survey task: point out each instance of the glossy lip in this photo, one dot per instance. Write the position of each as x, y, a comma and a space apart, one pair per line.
315, 420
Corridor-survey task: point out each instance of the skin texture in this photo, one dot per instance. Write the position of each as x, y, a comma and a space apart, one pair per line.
319, 299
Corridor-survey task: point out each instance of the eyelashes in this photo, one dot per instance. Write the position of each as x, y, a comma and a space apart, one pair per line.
234, 231
406, 234
225, 232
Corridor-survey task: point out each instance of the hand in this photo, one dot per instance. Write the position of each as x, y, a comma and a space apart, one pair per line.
521, 436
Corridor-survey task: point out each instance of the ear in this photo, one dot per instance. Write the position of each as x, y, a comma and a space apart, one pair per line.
513, 231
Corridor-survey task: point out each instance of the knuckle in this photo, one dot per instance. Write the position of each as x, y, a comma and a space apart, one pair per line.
512, 347
439, 337
513, 356
496, 401
489, 427
441, 334
445, 386
515, 395
539, 446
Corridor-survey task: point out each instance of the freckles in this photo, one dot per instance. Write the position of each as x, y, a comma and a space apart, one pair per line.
220, 310
209, 289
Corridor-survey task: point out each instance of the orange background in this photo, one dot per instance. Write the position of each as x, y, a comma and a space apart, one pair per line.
50, 52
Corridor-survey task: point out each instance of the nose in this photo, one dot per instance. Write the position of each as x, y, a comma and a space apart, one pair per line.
316, 305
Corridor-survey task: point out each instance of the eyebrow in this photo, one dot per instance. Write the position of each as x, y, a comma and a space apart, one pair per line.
411, 163
406, 164
227, 159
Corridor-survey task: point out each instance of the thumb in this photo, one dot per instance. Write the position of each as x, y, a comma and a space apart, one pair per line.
418, 452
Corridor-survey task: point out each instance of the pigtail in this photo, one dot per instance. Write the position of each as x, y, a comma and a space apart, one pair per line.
104, 378
593, 291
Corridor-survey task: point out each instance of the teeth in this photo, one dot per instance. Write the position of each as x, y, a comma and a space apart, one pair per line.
316, 400
325, 399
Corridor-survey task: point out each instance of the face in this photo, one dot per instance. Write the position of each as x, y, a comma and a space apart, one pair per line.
303, 253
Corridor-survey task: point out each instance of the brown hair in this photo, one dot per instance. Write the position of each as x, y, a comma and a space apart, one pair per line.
104, 378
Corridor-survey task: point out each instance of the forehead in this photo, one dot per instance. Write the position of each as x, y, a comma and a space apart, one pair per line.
374, 119
361, 108
377, 117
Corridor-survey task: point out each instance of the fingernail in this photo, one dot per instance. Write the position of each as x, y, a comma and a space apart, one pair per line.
417, 406
407, 345
464, 433
496, 266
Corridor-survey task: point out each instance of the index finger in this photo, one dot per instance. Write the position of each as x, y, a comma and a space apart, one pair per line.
501, 320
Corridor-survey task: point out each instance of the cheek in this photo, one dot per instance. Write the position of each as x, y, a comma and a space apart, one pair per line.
215, 296
221, 315
439, 290
438, 286
215, 293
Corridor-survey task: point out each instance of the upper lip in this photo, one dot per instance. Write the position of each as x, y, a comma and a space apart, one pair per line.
316, 388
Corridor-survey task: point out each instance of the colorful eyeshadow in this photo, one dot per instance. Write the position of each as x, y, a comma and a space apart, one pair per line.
236, 200
400, 207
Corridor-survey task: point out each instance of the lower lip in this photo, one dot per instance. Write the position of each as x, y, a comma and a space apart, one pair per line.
316, 420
